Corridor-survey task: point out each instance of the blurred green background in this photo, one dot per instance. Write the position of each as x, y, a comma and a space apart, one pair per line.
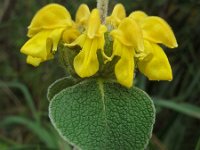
24, 122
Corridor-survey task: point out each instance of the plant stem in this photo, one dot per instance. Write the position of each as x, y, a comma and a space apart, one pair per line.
102, 5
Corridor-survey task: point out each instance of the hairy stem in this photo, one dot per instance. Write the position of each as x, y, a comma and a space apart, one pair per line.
102, 5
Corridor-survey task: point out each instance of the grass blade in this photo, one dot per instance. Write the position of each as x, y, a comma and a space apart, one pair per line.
26, 93
184, 108
41, 133
198, 145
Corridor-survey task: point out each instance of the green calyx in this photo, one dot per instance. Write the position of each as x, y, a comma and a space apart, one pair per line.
66, 57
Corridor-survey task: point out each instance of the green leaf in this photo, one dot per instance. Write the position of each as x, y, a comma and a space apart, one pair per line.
93, 115
59, 85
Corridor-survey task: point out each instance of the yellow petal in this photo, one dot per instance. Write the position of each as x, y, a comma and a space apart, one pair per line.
94, 23
124, 68
129, 34
86, 63
37, 46
33, 61
54, 37
118, 14
69, 35
101, 42
156, 30
79, 41
82, 15
49, 17
138, 16
157, 66
117, 48
42, 44
101, 31
147, 53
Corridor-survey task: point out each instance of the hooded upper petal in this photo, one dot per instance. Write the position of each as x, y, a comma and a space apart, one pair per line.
129, 34
49, 17
118, 14
82, 15
94, 24
157, 30
138, 16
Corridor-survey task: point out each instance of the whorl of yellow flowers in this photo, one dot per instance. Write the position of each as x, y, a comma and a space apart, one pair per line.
135, 39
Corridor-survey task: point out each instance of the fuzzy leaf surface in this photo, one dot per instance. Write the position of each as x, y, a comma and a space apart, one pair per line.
96, 115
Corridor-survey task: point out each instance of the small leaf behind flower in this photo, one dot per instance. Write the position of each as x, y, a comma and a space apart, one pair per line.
59, 85
97, 115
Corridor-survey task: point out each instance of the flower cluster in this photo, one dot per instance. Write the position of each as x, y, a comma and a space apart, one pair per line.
135, 41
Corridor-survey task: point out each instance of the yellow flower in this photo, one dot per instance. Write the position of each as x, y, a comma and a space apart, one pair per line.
118, 14
135, 39
155, 31
86, 62
127, 41
45, 32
